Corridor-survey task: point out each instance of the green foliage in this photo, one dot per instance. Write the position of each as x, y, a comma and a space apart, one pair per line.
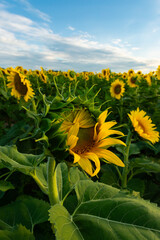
26, 210
14, 160
18, 232
105, 213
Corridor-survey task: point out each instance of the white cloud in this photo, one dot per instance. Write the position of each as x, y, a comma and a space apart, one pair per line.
116, 41
71, 28
24, 42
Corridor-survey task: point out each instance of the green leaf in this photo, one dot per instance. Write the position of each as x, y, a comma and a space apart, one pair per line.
76, 175
137, 185
134, 149
105, 213
19, 232
65, 227
109, 175
146, 164
27, 211
13, 159
16, 131
61, 180
4, 186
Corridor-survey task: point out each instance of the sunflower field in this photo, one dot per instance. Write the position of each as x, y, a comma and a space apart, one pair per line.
79, 155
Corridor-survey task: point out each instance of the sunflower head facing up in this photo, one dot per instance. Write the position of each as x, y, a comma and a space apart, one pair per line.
21, 87
143, 125
88, 141
117, 89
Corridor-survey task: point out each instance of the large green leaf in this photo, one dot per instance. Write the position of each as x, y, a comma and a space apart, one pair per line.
13, 159
26, 210
19, 232
105, 213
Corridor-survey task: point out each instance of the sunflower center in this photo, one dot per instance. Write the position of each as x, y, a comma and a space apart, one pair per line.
133, 80
104, 72
19, 86
85, 142
117, 89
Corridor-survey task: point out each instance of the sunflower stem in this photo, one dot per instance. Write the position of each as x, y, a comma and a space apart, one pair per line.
52, 186
126, 162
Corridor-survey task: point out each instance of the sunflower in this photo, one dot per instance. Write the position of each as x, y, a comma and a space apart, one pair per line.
117, 89
143, 125
21, 87
71, 75
158, 72
43, 77
130, 72
87, 145
106, 73
147, 77
65, 74
132, 81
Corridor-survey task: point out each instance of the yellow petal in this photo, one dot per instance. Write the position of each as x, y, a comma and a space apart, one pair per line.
74, 130
72, 141
109, 142
93, 157
76, 156
95, 132
103, 134
102, 117
86, 165
109, 156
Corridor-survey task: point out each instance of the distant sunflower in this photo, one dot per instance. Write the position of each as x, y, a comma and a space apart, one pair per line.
130, 72
71, 75
132, 80
143, 125
37, 72
106, 73
87, 145
65, 74
20, 86
158, 72
117, 89
147, 77
43, 77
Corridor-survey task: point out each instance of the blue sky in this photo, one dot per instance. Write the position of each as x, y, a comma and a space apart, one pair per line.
83, 35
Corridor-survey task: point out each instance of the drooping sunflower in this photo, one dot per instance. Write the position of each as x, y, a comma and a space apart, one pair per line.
87, 145
117, 89
21, 87
143, 125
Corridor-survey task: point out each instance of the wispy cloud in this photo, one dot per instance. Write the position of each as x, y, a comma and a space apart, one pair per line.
71, 28
28, 7
25, 42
